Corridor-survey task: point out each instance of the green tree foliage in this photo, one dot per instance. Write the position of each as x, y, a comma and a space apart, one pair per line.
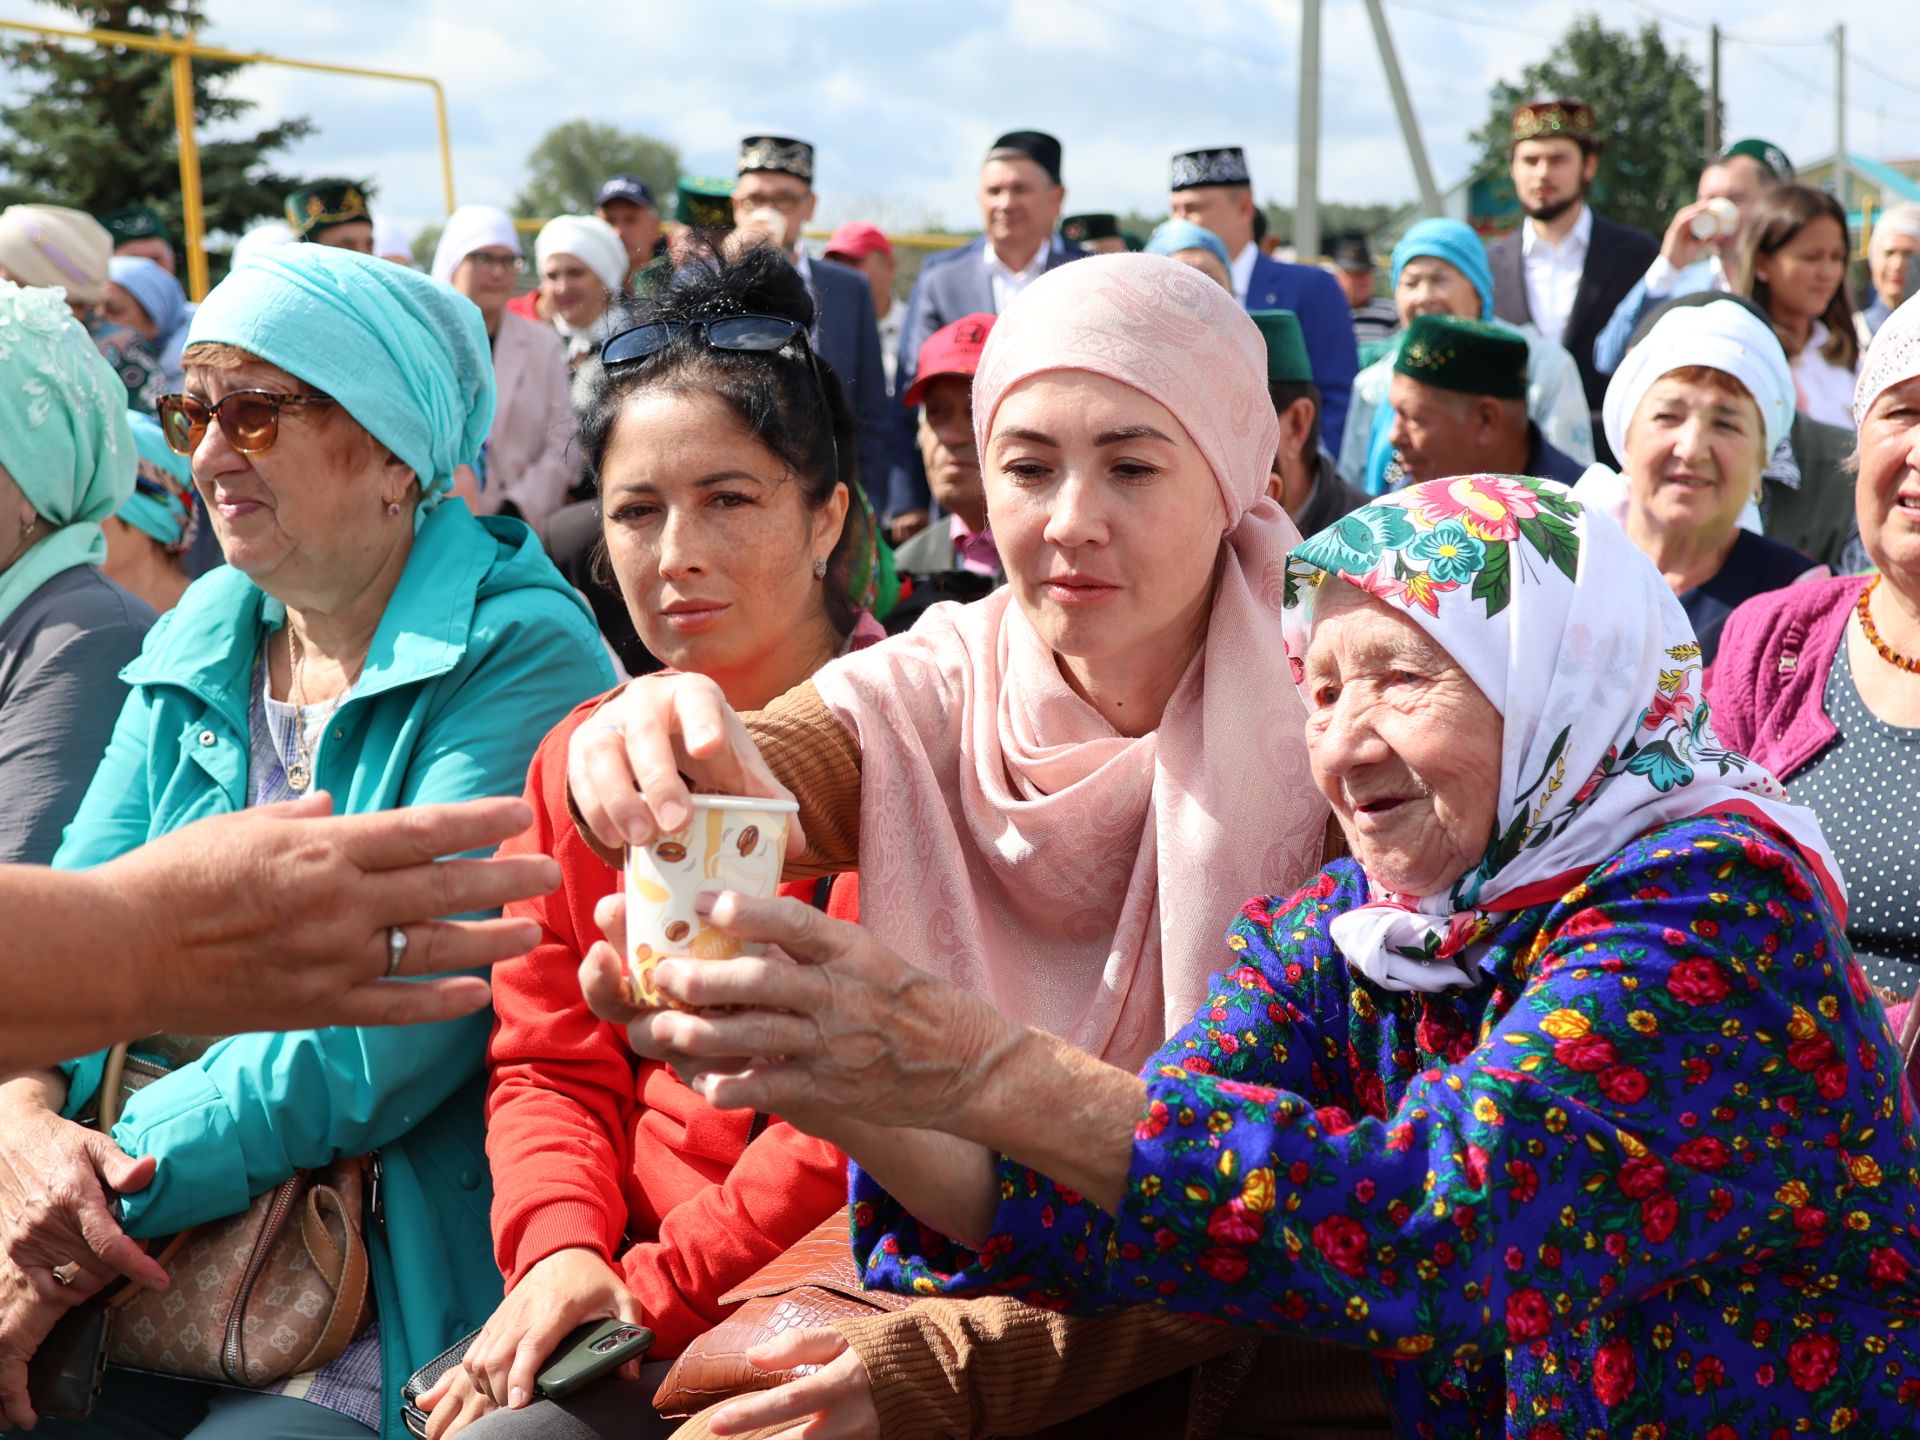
565, 169
1648, 103
95, 130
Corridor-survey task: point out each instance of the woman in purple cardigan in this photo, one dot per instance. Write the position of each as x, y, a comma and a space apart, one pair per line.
1820, 682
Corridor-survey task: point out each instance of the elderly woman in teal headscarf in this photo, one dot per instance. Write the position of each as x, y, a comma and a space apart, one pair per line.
66, 464
149, 536
1193, 245
368, 640
1440, 268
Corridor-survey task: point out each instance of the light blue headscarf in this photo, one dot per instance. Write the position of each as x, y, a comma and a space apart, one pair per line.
1455, 243
1171, 236
63, 436
169, 515
407, 357
158, 292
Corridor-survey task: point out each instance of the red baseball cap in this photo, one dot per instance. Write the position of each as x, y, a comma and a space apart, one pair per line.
951, 350
856, 240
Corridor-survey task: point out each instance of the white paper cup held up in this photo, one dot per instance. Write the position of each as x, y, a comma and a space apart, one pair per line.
733, 842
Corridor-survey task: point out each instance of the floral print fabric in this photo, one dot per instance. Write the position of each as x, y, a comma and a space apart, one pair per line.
1655, 1175
1579, 643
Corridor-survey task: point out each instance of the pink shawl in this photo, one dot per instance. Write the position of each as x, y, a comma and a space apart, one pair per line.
1011, 840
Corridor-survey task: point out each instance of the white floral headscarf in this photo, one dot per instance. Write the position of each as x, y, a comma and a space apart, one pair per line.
1581, 646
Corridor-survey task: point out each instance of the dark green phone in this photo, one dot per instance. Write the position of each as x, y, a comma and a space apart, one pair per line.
593, 1350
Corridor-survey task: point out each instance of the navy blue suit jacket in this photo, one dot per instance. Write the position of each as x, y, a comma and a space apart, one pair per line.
1317, 299
950, 286
848, 339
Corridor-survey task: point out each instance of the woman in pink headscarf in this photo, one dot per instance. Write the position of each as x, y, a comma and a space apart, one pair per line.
1059, 795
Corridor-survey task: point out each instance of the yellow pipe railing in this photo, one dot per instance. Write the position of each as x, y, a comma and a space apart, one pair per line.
183, 51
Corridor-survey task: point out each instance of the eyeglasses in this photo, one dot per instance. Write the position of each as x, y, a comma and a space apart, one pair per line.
499, 264
785, 203
250, 419
742, 334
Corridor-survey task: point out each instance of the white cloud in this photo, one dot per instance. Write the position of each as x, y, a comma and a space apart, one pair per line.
902, 98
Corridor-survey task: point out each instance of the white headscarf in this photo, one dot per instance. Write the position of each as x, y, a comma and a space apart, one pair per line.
390, 240
267, 235
1892, 358
1903, 219
591, 241
1581, 646
471, 228
1722, 335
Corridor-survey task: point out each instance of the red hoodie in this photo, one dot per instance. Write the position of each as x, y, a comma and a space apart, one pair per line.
592, 1146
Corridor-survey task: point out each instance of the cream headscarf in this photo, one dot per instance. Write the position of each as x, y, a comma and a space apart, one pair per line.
1011, 840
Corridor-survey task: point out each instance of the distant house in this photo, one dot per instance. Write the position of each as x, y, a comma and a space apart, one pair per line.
1872, 185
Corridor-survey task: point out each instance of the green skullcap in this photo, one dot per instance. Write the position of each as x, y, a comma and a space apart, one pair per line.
1770, 157
135, 222
1286, 345
331, 202
1470, 356
704, 201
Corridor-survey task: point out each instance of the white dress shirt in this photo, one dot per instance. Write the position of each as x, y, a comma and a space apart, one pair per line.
1553, 273
1241, 271
1008, 282
1822, 390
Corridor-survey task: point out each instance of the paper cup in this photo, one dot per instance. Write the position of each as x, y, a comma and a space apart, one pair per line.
733, 842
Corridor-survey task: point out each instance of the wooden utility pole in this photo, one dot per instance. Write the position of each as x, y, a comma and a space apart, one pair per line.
1306, 188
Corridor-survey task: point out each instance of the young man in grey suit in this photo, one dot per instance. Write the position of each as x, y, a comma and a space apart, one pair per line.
774, 195
1020, 201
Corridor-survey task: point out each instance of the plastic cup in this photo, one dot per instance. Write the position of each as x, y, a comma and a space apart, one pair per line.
733, 842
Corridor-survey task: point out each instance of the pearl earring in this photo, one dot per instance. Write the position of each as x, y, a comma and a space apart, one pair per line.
393, 509
819, 569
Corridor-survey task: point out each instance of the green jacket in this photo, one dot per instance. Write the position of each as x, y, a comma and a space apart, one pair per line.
1818, 518
482, 649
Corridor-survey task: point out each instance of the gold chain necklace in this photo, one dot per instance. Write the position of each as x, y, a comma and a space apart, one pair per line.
1885, 651
300, 772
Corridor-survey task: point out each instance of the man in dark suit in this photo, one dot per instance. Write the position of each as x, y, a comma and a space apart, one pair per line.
1212, 188
1020, 200
774, 195
1565, 270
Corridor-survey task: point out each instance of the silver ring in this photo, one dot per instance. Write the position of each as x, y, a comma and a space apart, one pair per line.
396, 950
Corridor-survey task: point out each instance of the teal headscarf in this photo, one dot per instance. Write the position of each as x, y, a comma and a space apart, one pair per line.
1172, 236
406, 356
162, 503
1460, 247
63, 436
1455, 243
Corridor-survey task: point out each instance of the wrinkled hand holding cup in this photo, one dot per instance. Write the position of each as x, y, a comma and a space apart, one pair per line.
732, 842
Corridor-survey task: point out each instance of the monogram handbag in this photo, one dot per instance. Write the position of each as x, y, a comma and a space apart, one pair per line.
275, 1291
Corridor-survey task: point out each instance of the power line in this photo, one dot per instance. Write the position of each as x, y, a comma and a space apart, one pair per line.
1879, 74
1484, 21
1704, 28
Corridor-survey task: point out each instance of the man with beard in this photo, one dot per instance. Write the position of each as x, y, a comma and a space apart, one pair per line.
1565, 269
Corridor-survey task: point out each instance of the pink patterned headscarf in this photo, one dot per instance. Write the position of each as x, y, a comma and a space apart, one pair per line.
1010, 839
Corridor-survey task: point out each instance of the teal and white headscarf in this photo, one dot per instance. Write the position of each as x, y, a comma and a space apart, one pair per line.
1581, 646
63, 436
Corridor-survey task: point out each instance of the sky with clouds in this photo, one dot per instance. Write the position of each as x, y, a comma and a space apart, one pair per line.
901, 97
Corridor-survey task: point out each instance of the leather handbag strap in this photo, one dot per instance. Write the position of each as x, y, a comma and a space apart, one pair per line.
1910, 1040
111, 1076
343, 1268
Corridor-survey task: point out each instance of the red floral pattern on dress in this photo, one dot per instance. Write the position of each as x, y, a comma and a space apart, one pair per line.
1670, 1188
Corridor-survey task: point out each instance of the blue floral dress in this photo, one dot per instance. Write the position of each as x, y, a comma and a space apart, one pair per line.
1655, 1175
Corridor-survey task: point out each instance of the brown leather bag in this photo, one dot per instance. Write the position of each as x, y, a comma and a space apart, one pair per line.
273, 1292
814, 1283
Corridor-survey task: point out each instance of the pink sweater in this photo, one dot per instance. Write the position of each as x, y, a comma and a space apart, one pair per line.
1767, 682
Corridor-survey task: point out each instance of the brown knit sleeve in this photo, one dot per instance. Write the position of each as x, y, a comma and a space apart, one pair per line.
999, 1367
813, 755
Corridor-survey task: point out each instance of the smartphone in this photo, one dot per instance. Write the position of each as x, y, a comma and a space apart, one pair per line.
589, 1352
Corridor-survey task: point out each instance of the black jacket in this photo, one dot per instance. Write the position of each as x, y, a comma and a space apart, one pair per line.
1617, 256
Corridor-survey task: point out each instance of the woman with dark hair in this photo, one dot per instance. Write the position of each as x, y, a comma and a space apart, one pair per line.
1793, 263
721, 447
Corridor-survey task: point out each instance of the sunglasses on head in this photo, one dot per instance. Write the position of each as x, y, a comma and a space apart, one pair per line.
250, 419
747, 334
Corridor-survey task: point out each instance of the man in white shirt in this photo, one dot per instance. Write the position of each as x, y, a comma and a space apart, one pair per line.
1566, 269
1021, 196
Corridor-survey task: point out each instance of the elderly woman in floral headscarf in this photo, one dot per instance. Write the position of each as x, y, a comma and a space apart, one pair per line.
1563, 1098
66, 464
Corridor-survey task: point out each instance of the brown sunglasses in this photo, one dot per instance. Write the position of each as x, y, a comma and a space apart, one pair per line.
250, 419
